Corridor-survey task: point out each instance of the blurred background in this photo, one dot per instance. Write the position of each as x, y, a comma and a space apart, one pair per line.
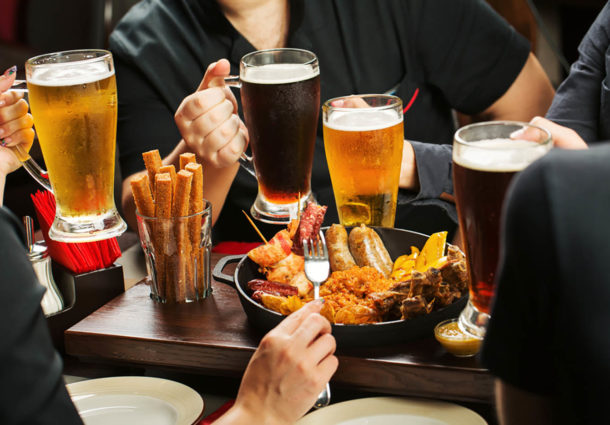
32, 27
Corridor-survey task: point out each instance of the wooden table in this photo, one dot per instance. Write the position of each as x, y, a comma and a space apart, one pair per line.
214, 337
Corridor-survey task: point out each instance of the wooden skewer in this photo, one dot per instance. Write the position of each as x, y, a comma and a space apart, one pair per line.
299, 207
255, 228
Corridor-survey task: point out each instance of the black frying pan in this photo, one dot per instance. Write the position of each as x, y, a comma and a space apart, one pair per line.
397, 242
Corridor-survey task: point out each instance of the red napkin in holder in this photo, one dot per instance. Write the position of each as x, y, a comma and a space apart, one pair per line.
77, 257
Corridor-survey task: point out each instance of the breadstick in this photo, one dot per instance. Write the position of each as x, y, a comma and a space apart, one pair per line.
140, 187
196, 206
172, 172
187, 158
152, 161
180, 208
163, 209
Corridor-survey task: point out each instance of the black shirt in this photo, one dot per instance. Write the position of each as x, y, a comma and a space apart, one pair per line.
550, 322
32, 389
460, 54
582, 101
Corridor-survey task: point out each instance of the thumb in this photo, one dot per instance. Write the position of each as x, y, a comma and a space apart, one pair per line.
214, 74
7, 79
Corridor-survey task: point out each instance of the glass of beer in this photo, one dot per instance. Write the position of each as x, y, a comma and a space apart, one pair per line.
73, 100
363, 139
486, 157
280, 94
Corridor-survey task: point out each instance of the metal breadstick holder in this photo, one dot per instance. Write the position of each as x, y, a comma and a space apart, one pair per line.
69, 297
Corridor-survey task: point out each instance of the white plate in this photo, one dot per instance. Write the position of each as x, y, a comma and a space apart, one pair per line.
392, 410
135, 400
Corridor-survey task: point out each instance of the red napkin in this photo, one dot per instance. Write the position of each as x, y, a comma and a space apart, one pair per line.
217, 414
234, 248
77, 257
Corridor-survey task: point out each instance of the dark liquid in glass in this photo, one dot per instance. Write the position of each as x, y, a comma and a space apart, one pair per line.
479, 197
282, 121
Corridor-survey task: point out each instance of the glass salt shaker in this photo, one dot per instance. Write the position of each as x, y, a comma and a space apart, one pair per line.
38, 255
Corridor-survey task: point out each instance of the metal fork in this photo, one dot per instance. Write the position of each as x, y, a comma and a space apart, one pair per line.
317, 269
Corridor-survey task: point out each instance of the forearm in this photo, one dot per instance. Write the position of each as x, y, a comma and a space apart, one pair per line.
238, 414
408, 172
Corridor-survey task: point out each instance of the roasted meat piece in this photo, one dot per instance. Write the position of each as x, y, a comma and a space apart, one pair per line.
309, 226
454, 272
445, 295
415, 306
388, 303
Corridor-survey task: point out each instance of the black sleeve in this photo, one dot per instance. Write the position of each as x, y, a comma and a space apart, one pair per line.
469, 52
32, 390
577, 102
434, 173
517, 346
145, 121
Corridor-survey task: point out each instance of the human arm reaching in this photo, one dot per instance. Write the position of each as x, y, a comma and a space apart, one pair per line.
290, 368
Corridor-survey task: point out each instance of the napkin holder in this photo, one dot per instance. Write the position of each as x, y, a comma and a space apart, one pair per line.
82, 294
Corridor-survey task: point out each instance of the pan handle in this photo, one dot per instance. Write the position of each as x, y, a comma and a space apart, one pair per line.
222, 263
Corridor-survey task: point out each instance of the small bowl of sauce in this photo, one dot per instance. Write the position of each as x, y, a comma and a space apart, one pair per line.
458, 343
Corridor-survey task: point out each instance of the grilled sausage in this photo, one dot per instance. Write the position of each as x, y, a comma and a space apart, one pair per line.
368, 250
273, 288
338, 249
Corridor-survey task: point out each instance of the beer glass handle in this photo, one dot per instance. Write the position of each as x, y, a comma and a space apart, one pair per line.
19, 86
244, 160
232, 81
32, 167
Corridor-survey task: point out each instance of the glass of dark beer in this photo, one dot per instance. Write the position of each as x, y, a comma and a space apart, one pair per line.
280, 94
486, 157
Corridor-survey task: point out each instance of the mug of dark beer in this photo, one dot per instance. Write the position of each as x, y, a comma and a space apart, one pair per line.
280, 94
486, 157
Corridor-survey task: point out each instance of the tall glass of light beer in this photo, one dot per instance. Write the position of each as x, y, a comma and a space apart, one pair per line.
486, 157
363, 139
73, 100
280, 94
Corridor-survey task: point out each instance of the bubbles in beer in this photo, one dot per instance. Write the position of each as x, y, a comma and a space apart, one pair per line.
279, 73
498, 155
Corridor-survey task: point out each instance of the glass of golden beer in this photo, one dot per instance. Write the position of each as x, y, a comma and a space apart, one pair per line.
486, 157
280, 94
73, 100
363, 139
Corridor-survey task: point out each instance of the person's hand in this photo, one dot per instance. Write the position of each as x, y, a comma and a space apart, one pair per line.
563, 137
208, 120
290, 368
15, 123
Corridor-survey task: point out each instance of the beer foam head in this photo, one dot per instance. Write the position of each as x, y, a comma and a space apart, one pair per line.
362, 119
498, 155
69, 74
279, 73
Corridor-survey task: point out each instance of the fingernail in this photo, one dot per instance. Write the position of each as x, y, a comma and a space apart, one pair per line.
319, 301
10, 71
2, 102
1, 131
